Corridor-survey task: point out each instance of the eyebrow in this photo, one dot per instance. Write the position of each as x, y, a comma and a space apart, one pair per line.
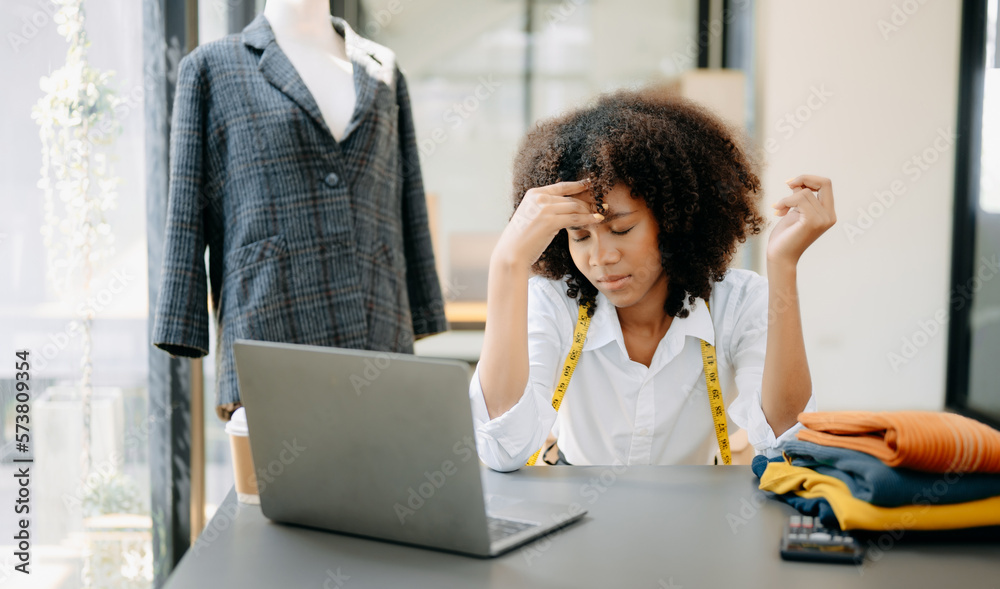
607, 219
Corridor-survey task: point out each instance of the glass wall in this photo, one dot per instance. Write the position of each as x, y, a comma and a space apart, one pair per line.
73, 251
74, 294
476, 85
984, 321
480, 73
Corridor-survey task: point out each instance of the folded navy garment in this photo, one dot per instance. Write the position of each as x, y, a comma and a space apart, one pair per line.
817, 507
821, 509
871, 480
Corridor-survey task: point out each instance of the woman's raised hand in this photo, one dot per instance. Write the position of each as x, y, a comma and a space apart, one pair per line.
543, 212
807, 213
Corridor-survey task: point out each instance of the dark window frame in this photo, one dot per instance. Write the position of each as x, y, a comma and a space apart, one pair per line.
971, 86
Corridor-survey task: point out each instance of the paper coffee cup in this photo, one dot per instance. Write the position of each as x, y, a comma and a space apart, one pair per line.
243, 472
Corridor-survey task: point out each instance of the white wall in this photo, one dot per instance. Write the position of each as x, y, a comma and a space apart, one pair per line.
869, 282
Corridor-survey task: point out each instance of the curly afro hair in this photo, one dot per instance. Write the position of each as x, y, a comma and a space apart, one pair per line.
681, 160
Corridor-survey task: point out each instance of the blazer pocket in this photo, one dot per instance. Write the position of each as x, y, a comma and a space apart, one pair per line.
259, 251
256, 274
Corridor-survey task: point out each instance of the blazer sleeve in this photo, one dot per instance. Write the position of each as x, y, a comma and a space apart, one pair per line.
181, 324
424, 289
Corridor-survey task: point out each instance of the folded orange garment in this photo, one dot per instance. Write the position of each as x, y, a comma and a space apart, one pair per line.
922, 440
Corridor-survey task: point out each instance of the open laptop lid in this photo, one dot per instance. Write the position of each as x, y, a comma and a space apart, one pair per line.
367, 443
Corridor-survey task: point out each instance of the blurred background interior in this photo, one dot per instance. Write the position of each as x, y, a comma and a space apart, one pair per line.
898, 101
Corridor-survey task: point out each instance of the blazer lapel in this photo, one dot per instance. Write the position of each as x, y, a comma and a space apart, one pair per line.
278, 70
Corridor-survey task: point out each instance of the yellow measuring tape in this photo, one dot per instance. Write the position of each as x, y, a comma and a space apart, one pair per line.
708, 361
579, 336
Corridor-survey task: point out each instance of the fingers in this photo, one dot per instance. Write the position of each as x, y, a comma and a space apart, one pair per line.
564, 188
573, 213
809, 181
566, 206
804, 199
812, 212
580, 220
821, 185
554, 213
563, 204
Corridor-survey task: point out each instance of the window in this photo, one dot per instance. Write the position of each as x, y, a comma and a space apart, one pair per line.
975, 295
90, 530
504, 66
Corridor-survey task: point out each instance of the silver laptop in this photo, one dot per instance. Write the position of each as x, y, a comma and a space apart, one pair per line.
379, 445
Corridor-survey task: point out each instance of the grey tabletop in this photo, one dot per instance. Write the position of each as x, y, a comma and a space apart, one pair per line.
647, 526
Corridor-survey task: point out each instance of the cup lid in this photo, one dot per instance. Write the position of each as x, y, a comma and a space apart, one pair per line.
237, 424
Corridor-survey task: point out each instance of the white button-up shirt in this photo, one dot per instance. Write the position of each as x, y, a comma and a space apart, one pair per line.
617, 411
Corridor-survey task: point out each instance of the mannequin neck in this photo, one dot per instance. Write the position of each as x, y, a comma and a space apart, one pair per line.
302, 21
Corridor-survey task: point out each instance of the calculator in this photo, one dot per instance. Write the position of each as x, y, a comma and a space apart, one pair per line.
805, 538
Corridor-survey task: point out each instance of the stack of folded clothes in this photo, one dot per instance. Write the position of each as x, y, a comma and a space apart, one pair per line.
901, 470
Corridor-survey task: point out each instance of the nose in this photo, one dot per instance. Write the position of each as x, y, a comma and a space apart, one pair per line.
603, 251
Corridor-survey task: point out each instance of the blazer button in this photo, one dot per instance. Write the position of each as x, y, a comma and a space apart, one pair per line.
332, 179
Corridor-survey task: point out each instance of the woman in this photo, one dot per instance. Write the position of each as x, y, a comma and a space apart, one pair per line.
633, 208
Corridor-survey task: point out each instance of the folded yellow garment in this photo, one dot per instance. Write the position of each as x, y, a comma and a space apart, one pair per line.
855, 514
931, 441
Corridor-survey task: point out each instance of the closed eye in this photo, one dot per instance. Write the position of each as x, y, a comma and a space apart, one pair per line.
613, 232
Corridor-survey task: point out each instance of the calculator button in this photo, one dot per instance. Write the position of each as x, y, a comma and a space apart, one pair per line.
819, 537
795, 521
807, 522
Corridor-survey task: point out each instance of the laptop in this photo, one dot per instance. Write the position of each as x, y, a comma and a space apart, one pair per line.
379, 445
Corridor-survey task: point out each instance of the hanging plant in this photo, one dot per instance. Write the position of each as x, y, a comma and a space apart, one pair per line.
76, 118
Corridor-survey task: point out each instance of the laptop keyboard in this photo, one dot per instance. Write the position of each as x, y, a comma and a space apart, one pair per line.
500, 527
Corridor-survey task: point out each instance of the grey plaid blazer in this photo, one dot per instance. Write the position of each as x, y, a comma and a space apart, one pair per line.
310, 240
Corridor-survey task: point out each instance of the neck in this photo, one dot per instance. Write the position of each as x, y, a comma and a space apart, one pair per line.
646, 317
303, 20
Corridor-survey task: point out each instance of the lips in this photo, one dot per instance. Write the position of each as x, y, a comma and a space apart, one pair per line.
615, 281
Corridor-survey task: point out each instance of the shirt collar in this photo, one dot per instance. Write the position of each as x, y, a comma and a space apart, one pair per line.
605, 327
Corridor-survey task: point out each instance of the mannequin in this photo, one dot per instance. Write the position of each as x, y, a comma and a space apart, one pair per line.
302, 29
296, 167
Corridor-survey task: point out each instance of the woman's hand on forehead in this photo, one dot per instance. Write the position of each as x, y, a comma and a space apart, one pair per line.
541, 214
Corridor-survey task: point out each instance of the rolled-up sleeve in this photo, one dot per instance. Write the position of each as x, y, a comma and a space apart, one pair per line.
748, 346
506, 442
